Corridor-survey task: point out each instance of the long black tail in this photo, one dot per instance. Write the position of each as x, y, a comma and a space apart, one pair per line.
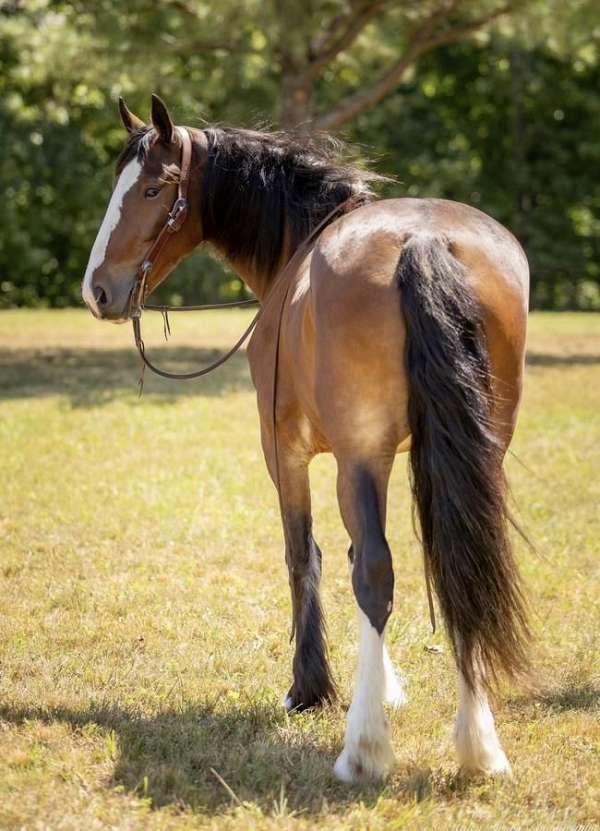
456, 465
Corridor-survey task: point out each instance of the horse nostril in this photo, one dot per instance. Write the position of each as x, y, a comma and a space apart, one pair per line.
100, 296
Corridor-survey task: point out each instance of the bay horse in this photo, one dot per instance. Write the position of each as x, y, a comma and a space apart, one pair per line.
399, 327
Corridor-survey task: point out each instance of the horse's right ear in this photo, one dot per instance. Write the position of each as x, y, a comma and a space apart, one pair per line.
130, 121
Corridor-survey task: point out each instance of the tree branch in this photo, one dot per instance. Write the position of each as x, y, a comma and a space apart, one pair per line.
323, 38
324, 50
423, 40
451, 35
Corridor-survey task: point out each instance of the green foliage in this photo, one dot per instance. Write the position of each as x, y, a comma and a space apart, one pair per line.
507, 123
513, 132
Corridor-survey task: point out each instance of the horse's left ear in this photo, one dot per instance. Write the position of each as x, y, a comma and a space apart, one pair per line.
161, 119
130, 121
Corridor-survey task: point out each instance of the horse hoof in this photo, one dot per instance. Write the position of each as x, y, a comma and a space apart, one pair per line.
491, 764
352, 770
292, 705
346, 769
371, 760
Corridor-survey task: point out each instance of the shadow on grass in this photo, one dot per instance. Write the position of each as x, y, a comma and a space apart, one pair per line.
546, 359
568, 697
572, 697
92, 377
256, 756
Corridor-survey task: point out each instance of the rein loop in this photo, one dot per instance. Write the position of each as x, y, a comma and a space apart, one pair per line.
198, 373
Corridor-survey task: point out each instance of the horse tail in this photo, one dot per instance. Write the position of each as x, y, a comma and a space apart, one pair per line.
456, 473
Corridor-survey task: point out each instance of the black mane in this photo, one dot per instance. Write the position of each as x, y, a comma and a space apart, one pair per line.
262, 193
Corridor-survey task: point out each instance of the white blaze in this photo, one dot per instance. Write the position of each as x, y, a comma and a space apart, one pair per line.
127, 179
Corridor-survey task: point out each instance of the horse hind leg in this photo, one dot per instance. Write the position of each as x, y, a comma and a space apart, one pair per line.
367, 749
394, 692
312, 682
477, 745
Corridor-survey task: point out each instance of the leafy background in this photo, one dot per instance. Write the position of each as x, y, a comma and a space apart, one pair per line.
494, 104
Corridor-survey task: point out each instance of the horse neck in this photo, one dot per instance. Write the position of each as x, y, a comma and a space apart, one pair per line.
258, 282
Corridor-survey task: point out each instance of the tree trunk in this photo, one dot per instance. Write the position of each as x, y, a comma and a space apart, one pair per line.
295, 103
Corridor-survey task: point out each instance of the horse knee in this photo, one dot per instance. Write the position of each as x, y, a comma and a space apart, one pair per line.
373, 582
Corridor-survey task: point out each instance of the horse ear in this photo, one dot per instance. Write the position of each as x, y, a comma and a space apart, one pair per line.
161, 119
130, 121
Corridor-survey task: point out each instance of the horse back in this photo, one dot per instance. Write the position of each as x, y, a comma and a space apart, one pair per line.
342, 373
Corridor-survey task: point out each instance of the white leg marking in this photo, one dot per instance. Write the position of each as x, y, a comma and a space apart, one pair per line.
393, 691
479, 750
367, 749
127, 179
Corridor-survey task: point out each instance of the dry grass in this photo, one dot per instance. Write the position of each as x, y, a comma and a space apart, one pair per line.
144, 611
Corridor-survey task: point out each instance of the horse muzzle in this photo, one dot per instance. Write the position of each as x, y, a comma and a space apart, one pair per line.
108, 299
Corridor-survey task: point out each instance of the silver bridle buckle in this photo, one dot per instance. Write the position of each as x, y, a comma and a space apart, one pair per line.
178, 215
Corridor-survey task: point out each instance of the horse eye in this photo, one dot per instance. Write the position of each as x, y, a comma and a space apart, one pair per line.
151, 193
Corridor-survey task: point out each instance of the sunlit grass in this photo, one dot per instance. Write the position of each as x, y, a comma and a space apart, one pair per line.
144, 609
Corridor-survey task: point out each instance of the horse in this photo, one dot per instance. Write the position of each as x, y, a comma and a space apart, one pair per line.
387, 326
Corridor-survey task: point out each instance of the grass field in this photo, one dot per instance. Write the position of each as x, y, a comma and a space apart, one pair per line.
144, 609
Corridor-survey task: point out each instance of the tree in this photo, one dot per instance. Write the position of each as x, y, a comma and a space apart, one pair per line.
297, 50
510, 130
410, 30
417, 81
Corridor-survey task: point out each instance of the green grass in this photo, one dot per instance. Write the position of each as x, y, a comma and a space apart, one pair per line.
144, 609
